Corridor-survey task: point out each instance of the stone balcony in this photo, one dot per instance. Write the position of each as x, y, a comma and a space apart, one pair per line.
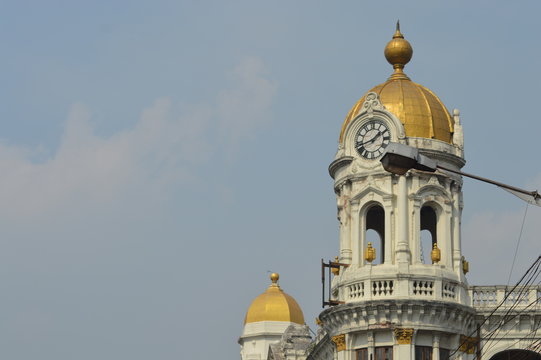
486, 298
384, 282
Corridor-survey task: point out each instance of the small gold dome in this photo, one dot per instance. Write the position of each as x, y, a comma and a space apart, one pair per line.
274, 305
421, 112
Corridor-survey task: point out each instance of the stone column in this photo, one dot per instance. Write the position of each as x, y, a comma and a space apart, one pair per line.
457, 254
340, 343
356, 245
402, 248
446, 235
436, 346
345, 218
403, 350
370, 347
389, 213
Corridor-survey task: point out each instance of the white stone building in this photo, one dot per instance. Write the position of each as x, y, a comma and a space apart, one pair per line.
399, 290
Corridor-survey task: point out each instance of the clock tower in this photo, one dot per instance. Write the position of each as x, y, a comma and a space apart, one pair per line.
398, 288
401, 290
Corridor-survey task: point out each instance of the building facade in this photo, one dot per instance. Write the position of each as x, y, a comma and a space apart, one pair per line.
399, 291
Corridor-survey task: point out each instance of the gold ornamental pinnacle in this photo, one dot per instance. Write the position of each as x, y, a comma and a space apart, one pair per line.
370, 253
465, 265
398, 53
274, 278
335, 270
435, 254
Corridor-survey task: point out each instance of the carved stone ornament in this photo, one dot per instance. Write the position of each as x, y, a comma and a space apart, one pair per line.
468, 344
403, 335
340, 342
372, 103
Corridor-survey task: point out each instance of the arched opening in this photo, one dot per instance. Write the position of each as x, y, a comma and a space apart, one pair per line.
516, 354
375, 231
426, 246
429, 234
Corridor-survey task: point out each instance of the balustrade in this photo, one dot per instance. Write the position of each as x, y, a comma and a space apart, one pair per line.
492, 296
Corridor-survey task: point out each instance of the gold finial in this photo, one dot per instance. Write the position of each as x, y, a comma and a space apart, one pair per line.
398, 53
435, 254
465, 265
274, 278
370, 253
335, 271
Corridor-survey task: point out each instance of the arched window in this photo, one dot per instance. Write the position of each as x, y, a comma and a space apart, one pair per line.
429, 234
517, 354
375, 231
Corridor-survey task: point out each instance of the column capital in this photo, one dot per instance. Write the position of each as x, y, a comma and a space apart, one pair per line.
403, 335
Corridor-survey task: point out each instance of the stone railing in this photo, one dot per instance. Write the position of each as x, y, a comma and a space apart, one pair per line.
420, 288
382, 288
485, 297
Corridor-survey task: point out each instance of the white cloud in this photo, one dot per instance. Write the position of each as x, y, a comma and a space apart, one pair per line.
162, 148
245, 108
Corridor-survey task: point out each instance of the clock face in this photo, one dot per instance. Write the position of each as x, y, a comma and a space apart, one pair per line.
372, 139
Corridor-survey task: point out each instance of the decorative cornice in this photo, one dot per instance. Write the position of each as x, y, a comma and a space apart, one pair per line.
338, 163
363, 315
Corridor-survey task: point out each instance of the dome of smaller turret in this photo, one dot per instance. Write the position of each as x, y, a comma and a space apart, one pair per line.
274, 305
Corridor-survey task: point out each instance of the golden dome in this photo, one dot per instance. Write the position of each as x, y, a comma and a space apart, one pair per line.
274, 305
421, 112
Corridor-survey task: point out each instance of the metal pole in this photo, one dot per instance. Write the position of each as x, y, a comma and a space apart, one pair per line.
534, 194
322, 284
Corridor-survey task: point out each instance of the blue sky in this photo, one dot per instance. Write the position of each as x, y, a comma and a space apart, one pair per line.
159, 158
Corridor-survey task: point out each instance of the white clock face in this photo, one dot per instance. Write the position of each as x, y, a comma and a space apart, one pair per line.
372, 139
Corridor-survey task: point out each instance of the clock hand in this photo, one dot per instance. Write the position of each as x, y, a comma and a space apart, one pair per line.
375, 137
369, 141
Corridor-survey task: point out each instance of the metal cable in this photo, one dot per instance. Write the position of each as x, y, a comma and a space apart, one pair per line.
524, 289
506, 318
488, 346
536, 262
518, 242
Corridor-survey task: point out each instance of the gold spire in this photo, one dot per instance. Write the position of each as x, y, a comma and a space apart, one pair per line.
398, 53
397, 33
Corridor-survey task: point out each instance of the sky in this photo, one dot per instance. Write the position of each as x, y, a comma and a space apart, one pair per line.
159, 159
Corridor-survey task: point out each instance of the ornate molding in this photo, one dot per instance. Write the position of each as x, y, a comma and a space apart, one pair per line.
403, 335
338, 163
339, 341
372, 103
445, 316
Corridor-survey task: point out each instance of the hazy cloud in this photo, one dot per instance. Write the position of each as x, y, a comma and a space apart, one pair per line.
163, 148
243, 109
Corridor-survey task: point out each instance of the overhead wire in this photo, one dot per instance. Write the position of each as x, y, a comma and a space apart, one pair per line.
518, 298
533, 331
536, 262
518, 242
489, 343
